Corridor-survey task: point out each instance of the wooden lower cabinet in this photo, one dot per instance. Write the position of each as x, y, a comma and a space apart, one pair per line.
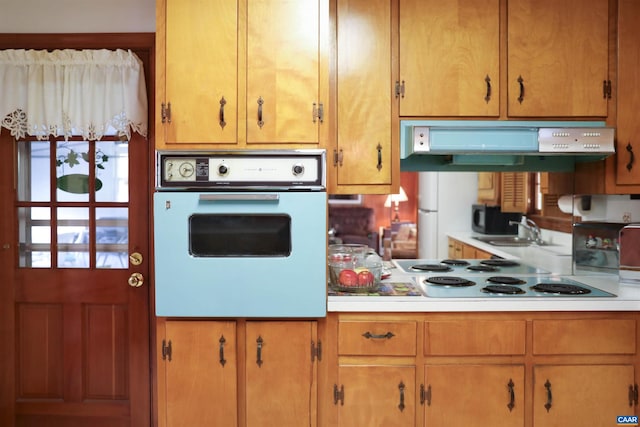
200, 365
281, 373
458, 395
583, 395
461, 250
517, 369
237, 373
376, 395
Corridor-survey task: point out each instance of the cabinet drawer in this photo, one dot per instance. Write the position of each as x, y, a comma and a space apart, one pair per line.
377, 338
474, 337
584, 336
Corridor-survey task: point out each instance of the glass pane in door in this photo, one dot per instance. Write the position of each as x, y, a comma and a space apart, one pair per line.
112, 238
34, 237
72, 171
33, 169
112, 171
73, 229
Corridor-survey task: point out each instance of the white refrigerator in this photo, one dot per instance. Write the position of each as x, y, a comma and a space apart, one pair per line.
444, 206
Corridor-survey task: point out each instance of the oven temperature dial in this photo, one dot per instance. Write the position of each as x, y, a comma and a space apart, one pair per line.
223, 170
297, 169
186, 169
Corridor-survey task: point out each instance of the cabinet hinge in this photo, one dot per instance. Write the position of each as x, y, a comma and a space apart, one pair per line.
166, 350
338, 395
425, 395
316, 351
633, 395
318, 112
166, 113
337, 157
400, 89
606, 89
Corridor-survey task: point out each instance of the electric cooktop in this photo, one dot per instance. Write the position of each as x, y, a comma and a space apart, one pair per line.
501, 286
466, 267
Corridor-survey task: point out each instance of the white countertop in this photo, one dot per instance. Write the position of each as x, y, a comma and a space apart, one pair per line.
555, 258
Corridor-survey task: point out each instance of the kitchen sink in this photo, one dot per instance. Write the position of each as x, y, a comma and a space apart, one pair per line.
505, 240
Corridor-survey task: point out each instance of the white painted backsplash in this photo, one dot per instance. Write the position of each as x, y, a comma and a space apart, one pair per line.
610, 208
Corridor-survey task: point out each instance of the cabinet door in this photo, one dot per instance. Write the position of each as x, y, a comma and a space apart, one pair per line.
475, 395
197, 71
628, 130
514, 191
489, 188
581, 395
364, 92
557, 58
283, 71
202, 369
455, 249
377, 396
281, 374
449, 57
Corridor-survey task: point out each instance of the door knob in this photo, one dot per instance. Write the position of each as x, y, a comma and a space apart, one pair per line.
136, 280
135, 258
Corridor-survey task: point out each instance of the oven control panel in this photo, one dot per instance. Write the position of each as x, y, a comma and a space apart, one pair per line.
232, 170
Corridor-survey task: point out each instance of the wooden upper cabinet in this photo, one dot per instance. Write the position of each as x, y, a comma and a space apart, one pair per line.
240, 73
489, 188
283, 71
627, 161
363, 155
514, 191
557, 58
449, 58
197, 61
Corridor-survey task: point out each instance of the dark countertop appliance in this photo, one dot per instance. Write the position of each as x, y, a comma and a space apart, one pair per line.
491, 220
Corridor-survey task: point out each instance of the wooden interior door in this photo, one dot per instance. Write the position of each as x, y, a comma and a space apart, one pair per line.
75, 302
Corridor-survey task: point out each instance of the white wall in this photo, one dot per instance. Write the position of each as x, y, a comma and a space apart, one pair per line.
612, 209
77, 16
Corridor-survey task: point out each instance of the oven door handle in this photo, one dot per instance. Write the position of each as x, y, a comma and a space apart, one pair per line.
239, 197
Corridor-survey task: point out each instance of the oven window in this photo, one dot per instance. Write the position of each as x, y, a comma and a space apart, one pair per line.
241, 235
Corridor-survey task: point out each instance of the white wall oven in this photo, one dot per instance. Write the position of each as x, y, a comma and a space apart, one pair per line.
241, 233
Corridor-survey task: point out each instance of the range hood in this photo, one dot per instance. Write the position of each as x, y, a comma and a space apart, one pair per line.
503, 146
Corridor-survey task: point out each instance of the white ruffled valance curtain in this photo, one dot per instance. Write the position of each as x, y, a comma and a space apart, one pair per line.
68, 92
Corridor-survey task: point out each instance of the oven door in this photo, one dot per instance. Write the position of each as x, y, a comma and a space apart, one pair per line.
244, 254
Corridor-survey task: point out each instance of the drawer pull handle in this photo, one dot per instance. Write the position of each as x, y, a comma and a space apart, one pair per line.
631, 157
259, 341
487, 97
222, 341
379, 149
260, 119
547, 405
401, 389
521, 83
512, 395
387, 336
221, 120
